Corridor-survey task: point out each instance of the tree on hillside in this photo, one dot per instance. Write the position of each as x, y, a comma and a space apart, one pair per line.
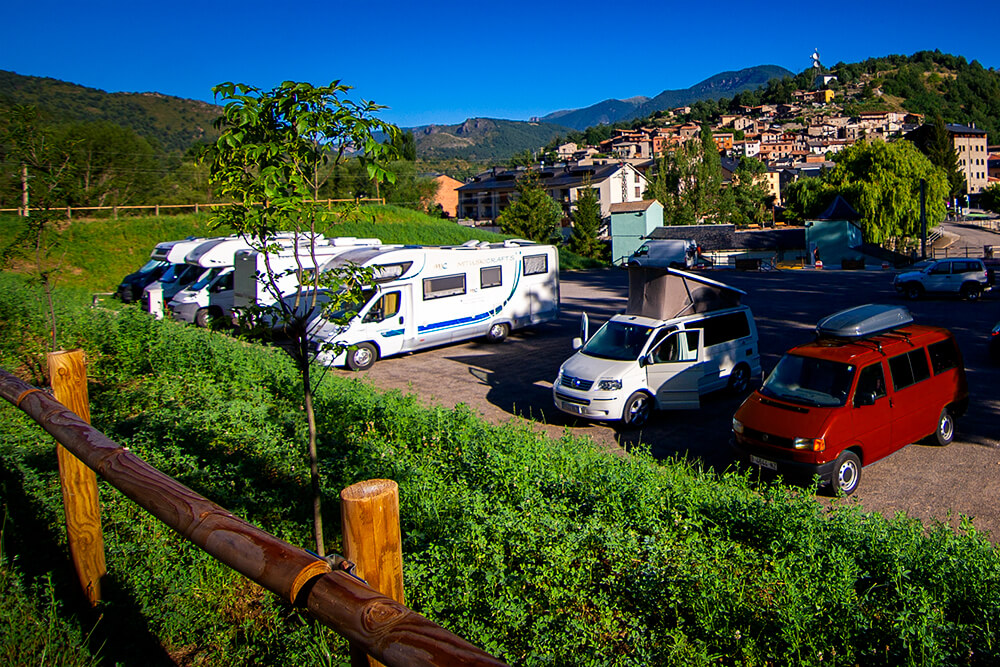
110, 165
688, 182
586, 224
752, 201
266, 161
533, 214
990, 198
882, 181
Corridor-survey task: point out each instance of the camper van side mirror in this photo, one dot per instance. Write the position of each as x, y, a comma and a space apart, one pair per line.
864, 398
577, 343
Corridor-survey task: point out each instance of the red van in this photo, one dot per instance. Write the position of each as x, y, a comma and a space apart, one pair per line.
871, 383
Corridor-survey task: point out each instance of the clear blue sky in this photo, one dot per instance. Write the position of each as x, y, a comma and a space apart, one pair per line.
443, 62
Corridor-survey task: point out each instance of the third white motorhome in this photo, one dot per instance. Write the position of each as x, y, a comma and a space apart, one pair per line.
427, 296
177, 276
211, 294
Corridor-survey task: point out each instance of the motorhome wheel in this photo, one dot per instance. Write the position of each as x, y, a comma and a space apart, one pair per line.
362, 357
497, 333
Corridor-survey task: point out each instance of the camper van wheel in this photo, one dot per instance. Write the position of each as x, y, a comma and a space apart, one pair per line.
637, 409
946, 428
846, 473
739, 379
362, 357
203, 318
497, 333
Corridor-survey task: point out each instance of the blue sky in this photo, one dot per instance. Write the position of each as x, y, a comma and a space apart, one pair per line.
444, 62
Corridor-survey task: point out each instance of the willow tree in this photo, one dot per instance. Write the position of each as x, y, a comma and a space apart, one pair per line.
274, 147
882, 182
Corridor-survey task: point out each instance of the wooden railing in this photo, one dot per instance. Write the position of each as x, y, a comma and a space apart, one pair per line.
196, 208
375, 624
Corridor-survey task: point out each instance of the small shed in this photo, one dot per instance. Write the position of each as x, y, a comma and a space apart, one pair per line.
834, 237
631, 222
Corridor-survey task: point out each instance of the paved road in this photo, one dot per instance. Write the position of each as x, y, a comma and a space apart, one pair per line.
514, 379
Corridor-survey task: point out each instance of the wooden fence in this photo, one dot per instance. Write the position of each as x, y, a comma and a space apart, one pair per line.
375, 625
196, 208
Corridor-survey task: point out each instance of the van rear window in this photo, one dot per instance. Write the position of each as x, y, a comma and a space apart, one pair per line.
944, 355
909, 369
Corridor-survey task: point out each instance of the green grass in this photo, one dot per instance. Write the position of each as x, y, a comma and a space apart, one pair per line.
94, 255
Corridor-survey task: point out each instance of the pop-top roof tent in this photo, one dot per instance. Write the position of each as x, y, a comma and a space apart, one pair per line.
664, 294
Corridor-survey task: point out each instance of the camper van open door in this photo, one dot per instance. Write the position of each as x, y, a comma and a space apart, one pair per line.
674, 368
584, 332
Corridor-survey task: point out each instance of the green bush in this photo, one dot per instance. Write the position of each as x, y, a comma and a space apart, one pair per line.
542, 551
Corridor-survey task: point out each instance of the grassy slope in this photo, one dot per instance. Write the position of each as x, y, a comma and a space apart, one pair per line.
94, 255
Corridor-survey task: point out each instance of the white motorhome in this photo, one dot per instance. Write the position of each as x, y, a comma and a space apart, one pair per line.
251, 285
211, 295
179, 275
681, 336
427, 296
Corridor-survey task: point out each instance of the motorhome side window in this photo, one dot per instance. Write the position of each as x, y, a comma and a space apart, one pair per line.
386, 307
723, 328
534, 264
490, 276
944, 356
438, 288
909, 369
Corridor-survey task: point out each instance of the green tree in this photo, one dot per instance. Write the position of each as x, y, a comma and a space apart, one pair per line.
586, 224
882, 181
533, 214
410, 189
110, 165
752, 201
688, 182
990, 198
406, 146
806, 198
941, 153
266, 161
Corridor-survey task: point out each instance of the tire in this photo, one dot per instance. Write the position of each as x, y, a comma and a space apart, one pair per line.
362, 357
637, 409
203, 318
739, 379
945, 432
971, 291
846, 474
913, 291
498, 332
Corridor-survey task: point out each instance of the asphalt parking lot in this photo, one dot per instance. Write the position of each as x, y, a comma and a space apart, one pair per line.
514, 379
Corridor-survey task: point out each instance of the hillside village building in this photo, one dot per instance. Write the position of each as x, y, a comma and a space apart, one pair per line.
971, 146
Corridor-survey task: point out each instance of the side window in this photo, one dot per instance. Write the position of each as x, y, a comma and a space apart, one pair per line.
941, 268
384, 308
871, 382
723, 328
490, 276
534, 264
944, 355
677, 347
908, 369
438, 288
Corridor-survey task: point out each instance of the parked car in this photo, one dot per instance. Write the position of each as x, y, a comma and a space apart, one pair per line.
871, 383
681, 336
965, 277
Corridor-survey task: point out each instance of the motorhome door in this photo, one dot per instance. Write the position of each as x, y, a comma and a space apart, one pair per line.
387, 320
675, 368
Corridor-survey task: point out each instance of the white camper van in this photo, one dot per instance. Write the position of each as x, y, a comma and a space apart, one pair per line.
665, 253
251, 268
429, 296
211, 295
179, 275
680, 337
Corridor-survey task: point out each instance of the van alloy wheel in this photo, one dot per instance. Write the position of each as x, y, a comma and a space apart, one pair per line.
739, 379
637, 409
846, 473
362, 357
497, 332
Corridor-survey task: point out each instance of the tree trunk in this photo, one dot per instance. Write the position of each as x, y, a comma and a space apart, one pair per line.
303, 350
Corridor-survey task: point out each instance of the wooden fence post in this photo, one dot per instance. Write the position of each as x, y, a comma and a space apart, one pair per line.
68, 374
370, 515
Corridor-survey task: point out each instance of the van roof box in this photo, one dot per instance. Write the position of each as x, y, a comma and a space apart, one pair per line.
862, 321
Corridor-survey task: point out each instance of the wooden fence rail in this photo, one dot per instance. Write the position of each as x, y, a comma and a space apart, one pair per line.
156, 207
387, 630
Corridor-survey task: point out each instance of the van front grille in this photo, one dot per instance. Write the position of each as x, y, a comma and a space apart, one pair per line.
572, 399
577, 383
768, 438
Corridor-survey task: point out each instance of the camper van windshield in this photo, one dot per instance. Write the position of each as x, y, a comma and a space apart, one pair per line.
203, 282
620, 341
809, 381
181, 273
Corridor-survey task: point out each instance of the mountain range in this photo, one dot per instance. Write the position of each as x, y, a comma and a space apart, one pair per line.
176, 124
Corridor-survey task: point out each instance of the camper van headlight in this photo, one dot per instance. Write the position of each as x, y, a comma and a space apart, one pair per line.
737, 426
812, 444
609, 385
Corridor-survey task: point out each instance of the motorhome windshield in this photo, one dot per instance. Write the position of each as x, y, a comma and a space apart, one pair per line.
151, 265
809, 381
620, 341
181, 274
205, 279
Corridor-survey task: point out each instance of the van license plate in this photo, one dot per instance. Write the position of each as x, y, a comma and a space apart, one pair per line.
573, 407
763, 463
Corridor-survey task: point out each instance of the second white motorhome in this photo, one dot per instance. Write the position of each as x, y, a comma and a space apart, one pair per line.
178, 275
428, 296
211, 294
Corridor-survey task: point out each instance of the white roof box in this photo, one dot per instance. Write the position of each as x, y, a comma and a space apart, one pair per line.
867, 320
